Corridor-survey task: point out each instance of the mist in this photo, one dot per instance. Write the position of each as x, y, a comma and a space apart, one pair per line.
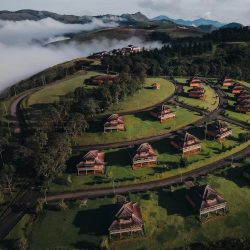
24, 58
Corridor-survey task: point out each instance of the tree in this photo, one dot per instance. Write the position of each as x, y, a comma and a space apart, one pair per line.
77, 125
7, 176
39, 205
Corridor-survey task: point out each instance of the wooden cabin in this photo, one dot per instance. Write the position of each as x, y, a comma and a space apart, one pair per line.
227, 82
128, 220
156, 86
244, 95
145, 157
206, 201
195, 82
101, 79
236, 88
114, 123
197, 93
243, 106
162, 113
187, 144
92, 163
219, 130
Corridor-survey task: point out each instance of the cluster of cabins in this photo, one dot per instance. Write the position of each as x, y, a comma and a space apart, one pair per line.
204, 200
242, 95
197, 90
130, 49
145, 156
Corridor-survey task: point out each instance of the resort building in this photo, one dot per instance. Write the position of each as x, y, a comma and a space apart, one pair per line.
206, 201
219, 130
162, 113
156, 86
145, 157
187, 144
128, 220
197, 92
101, 79
237, 88
227, 82
244, 95
243, 106
92, 163
114, 123
195, 82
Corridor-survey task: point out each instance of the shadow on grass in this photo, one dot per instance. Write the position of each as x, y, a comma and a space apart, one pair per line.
95, 221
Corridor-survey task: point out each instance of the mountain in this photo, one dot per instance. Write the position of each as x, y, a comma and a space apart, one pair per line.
196, 23
72, 19
232, 26
207, 28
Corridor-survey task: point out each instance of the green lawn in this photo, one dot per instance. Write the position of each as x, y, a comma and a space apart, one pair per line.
169, 220
247, 84
182, 80
210, 103
52, 92
137, 126
119, 164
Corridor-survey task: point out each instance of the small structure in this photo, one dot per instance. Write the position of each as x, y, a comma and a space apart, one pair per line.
197, 92
101, 79
156, 86
236, 88
163, 113
145, 157
114, 123
244, 95
218, 130
92, 163
227, 82
187, 144
128, 220
195, 82
206, 200
243, 106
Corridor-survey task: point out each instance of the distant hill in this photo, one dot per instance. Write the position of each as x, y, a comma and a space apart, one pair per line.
233, 26
72, 19
196, 23
207, 28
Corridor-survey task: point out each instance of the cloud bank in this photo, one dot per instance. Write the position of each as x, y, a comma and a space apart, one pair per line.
21, 57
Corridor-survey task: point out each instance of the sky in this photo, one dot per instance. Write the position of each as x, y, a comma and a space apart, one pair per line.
221, 10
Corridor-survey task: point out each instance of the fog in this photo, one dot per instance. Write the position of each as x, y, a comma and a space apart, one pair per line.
21, 57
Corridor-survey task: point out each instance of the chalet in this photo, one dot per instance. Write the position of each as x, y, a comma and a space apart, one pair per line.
92, 163
114, 123
195, 82
236, 88
197, 92
163, 113
246, 174
244, 95
218, 130
243, 106
145, 157
227, 82
128, 220
187, 144
101, 79
156, 86
206, 200
133, 49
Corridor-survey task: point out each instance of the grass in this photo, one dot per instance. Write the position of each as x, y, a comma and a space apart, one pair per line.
119, 164
247, 84
182, 80
169, 220
137, 126
210, 103
51, 93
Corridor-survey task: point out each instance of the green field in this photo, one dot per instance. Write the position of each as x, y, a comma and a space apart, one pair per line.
169, 220
119, 164
137, 126
182, 80
210, 103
